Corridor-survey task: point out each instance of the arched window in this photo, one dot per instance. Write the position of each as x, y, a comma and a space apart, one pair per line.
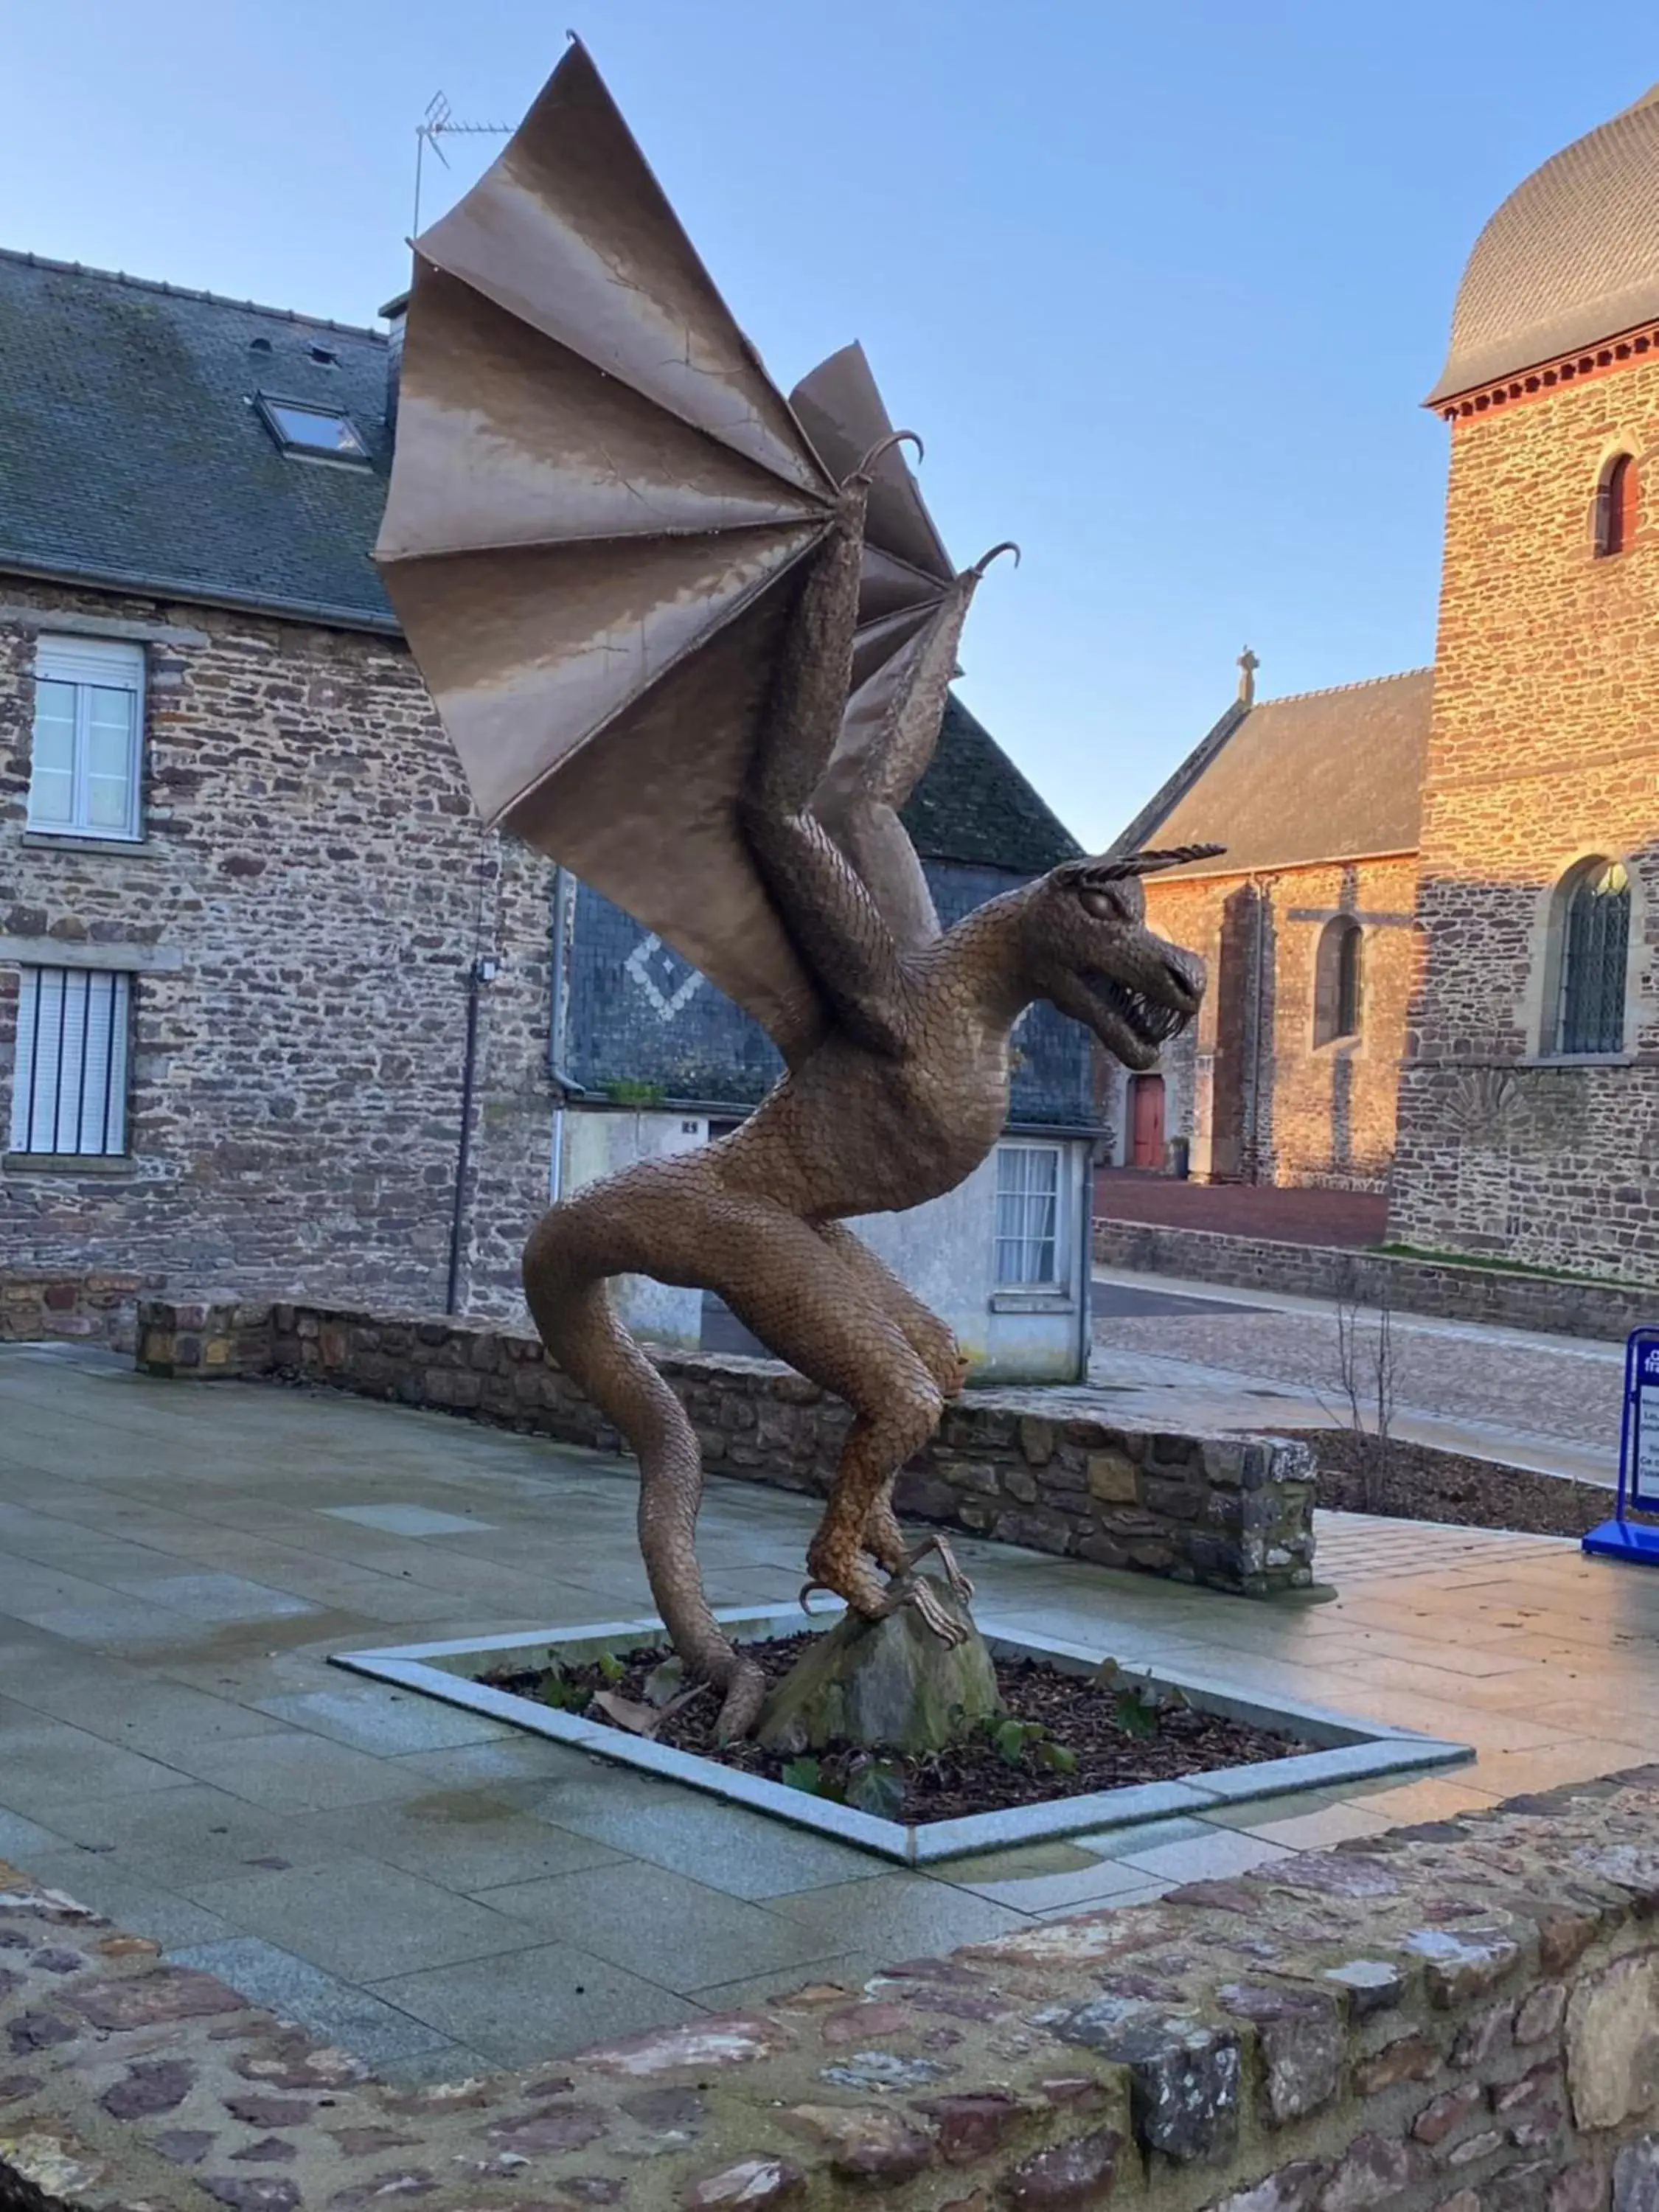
1593, 927
1337, 981
1615, 506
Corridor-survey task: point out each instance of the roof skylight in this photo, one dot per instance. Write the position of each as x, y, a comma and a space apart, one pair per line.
317, 430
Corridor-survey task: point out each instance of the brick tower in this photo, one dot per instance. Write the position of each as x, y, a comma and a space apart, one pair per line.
1529, 1100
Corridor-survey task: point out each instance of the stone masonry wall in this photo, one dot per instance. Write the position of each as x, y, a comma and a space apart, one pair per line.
1461, 2017
1281, 1108
1541, 753
91, 1309
1039, 1468
1609, 1310
310, 893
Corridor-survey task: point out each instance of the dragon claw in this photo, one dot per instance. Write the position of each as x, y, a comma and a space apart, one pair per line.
960, 1587
948, 1630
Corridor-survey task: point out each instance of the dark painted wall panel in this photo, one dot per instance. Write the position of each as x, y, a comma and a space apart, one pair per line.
640, 1016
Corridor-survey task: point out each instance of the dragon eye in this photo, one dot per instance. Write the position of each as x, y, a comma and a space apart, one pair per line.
1102, 905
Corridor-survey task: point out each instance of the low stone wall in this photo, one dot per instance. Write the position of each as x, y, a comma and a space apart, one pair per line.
1457, 2018
1042, 1467
38, 1307
1445, 1288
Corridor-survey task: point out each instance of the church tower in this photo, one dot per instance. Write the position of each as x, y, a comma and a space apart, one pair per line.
1529, 1099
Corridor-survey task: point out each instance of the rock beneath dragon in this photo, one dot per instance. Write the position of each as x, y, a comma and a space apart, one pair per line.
890, 1684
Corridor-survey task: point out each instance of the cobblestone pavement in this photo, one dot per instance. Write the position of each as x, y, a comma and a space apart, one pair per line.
1301, 1216
1208, 1354
441, 1895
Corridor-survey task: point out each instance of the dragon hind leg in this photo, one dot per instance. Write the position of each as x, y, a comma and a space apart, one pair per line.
825, 1304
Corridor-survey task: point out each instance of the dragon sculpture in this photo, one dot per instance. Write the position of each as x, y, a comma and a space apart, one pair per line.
701, 658
903, 1097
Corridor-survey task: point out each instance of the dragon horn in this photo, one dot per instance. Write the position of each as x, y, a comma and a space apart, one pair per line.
885, 445
1147, 864
985, 559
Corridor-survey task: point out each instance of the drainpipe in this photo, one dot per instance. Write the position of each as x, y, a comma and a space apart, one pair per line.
1086, 1271
565, 924
481, 972
1259, 965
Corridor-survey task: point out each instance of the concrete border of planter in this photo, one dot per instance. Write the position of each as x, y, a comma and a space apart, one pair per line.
1349, 1749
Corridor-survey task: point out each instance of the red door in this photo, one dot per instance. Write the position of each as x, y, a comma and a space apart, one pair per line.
1146, 1120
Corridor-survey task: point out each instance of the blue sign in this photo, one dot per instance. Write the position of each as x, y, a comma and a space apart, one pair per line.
1638, 1457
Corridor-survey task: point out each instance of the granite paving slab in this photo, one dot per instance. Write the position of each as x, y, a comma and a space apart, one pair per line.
300, 1784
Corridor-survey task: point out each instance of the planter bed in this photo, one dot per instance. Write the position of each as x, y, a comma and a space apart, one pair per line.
1419, 1483
1314, 1747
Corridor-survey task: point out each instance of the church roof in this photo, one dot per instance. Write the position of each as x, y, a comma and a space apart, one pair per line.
1571, 256
1323, 776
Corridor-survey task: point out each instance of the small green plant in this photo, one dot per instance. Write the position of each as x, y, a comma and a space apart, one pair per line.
627, 1093
1138, 1707
804, 1774
1027, 1744
1136, 1714
876, 1787
1013, 1738
559, 1692
610, 1668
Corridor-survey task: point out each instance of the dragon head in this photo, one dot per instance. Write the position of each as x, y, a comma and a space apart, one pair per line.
1091, 953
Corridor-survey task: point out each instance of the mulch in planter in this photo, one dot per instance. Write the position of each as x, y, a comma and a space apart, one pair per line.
1415, 1482
1078, 1714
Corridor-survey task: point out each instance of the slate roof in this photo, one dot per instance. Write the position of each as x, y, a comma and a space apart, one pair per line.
130, 453
131, 456
974, 805
1571, 256
1323, 776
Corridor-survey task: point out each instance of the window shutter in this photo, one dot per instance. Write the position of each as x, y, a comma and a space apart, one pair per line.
70, 1079
66, 659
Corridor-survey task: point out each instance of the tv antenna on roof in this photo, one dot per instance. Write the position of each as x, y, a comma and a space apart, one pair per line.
437, 124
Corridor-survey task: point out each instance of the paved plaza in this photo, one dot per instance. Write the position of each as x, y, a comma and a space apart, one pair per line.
1203, 1354
440, 1894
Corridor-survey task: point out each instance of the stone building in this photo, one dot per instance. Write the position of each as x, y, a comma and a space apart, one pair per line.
254, 946
1522, 773
275, 1012
1529, 1109
1290, 1073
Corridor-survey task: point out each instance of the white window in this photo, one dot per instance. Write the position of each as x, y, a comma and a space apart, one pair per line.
1031, 1255
89, 735
69, 1083
298, 429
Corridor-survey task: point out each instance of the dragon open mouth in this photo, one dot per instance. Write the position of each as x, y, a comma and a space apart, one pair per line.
1153, 1025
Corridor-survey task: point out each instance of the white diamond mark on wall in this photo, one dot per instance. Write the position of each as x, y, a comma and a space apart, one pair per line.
654, 967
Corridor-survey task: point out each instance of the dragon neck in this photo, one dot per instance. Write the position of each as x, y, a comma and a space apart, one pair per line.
986, 956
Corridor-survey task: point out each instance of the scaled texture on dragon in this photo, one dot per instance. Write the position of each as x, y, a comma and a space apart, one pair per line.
703, 658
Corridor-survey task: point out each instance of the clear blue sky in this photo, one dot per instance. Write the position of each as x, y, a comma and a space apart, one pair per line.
1161, 287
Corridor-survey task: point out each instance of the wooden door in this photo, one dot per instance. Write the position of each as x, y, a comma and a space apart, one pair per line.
1146, 1120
